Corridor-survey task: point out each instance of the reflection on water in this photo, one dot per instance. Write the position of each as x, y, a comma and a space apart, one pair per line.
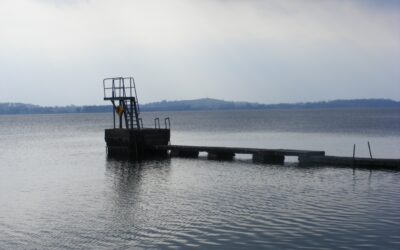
126, 179
188, 203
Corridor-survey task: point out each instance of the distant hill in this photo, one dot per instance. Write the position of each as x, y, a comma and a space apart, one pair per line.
200, 104
214, 104
339, 104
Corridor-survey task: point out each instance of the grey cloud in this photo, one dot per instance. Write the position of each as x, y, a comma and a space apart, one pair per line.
265, 51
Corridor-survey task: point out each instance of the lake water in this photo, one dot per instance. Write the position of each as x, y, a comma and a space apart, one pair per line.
59, 191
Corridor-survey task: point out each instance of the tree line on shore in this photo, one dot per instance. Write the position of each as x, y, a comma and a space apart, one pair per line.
199, 105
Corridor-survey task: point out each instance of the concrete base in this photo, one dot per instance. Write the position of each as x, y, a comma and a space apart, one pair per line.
136, 144
269, 158
221, 156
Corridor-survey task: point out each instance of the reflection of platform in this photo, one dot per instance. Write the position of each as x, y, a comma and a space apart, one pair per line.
136, 143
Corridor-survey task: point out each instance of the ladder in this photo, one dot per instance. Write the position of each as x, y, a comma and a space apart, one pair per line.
121, 91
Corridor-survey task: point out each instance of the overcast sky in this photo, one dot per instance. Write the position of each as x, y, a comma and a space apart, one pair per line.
56, 52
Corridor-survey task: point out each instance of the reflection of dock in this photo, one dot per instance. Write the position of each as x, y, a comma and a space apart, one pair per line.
277, 156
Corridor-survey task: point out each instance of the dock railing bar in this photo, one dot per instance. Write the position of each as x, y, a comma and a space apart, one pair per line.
150, 124
157, 122
369, 148
169, 123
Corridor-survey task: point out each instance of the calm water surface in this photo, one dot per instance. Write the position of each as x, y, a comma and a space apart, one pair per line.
58, 190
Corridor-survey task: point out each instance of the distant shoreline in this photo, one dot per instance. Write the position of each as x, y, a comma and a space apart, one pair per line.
205, 104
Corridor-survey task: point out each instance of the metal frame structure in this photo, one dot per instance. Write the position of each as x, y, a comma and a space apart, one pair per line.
122, 90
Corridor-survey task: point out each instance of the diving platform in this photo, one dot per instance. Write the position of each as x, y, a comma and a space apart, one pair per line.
129, 138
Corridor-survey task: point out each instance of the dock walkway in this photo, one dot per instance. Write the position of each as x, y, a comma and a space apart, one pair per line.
276, 156
357, 162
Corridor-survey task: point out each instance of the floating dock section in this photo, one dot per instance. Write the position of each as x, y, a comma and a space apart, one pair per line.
277, 156
370, 163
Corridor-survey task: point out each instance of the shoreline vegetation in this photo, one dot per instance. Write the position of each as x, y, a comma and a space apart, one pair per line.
204, 104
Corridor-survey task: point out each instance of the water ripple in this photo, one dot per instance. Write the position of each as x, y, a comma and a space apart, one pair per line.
182, 203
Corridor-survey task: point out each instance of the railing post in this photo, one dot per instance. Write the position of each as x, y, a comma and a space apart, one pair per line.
169, 123
369, 148
157, 122
141, 122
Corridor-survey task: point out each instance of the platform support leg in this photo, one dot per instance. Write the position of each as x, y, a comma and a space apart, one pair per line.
269, 158
221, 156
184, 153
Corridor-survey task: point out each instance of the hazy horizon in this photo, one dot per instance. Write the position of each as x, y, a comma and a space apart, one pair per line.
56, 52
207, 98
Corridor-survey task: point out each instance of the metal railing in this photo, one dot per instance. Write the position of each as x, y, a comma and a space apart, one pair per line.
118, 88
157, 123
121, 91
167, 121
